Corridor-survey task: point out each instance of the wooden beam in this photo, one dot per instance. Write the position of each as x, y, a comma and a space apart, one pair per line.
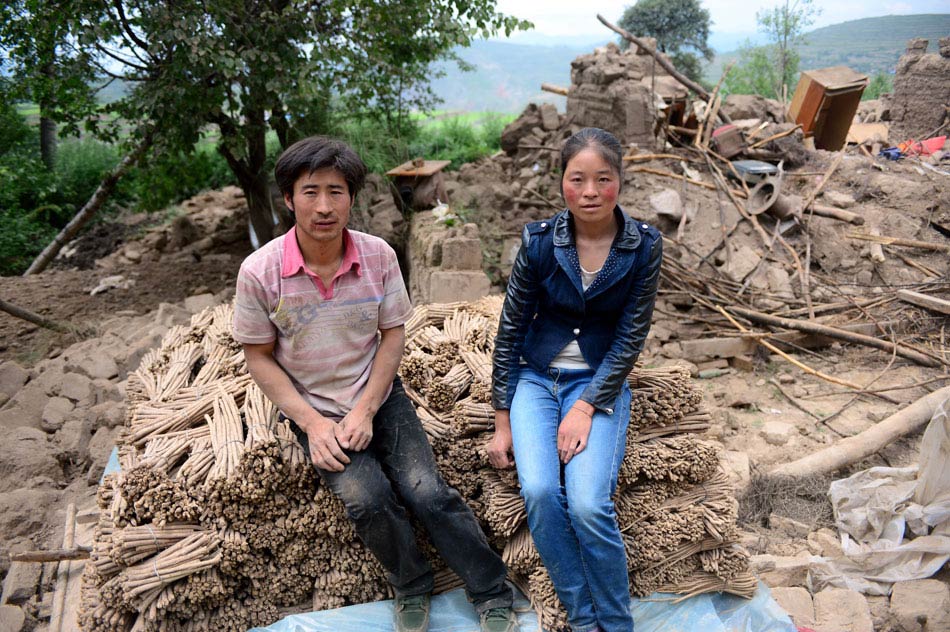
553, 89
925, 300
900, 241
52, 555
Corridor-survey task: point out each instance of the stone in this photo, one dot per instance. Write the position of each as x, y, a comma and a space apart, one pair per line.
792, 528
169, 315
448, 286
779, 282
786, 378
797, 602
944, 47
922, 604
842, 610
738, 468
72, 440
76, 387
20, 584
825, 542
12, 619
549, 117
751, 106
841, 200
777, 432
778, 570
132, 252
94, 364
735, 398
27, 453
199, 302
667, 203
461, 253
12, 378
182, 232
22, 511
55, 412
741, 262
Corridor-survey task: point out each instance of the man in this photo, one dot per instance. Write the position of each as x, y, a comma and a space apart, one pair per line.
320, 312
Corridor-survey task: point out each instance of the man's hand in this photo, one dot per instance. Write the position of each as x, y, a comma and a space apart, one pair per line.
325, 450
500, 454
356, 430
573, 432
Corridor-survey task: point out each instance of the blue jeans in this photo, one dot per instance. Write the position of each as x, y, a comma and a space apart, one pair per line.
398, 472
570, 510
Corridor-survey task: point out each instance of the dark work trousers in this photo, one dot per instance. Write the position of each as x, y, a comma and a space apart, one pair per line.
398, 472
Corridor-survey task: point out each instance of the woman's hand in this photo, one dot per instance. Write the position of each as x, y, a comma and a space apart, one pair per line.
500, 454
573, 432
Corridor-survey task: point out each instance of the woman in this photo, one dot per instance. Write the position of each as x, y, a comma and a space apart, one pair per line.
578, 308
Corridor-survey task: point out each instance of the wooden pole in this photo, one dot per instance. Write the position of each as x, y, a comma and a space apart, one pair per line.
553, 89
52, 555
32, 317
864, 444
900, 241
812, 327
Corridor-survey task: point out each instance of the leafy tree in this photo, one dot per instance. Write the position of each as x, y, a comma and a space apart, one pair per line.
681, 29
245, 67
772, 70
45, 65
880, 84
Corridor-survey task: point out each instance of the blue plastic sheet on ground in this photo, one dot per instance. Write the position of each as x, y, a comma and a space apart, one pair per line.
451, 612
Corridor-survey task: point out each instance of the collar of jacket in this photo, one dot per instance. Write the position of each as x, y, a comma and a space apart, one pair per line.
628, 238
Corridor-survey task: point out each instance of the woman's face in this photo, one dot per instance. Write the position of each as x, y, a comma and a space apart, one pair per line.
591, 187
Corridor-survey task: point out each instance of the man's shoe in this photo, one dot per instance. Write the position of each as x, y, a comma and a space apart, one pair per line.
411, 613
498, 620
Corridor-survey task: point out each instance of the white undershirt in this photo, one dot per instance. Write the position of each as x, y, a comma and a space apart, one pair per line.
570, 357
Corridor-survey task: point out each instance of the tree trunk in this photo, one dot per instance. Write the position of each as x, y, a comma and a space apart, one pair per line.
48, 142
257, 194
90, 208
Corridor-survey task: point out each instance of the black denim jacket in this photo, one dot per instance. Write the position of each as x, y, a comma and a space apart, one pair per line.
546, 306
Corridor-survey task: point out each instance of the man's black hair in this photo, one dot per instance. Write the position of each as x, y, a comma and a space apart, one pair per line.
319, 152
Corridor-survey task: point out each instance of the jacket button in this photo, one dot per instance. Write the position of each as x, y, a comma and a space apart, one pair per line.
609, 411
544, 224
645, 226
577, 331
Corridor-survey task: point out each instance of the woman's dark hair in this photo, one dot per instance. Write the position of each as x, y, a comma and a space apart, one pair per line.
319, 152
601, 141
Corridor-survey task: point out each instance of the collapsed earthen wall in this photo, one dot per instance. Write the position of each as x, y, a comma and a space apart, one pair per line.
614, 90
921, 97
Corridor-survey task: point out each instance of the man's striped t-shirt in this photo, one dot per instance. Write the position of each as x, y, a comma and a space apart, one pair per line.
326, 337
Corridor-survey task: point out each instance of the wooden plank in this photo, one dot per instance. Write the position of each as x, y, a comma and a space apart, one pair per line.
428, 168
925, 300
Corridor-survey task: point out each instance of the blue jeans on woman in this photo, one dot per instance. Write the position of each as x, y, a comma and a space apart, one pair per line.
570, 510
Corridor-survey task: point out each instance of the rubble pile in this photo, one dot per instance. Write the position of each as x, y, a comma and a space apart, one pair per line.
217, 522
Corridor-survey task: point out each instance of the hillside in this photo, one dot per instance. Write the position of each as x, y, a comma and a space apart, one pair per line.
869, 45
507, 76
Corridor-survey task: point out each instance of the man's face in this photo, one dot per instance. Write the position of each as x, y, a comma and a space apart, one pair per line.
321, 203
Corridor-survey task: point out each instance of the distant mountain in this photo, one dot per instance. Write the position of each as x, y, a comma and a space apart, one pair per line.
869, 45
507, 76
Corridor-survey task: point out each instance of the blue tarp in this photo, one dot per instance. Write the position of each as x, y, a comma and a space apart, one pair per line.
451, 612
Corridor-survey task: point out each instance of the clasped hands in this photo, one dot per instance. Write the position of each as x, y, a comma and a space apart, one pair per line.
328, 439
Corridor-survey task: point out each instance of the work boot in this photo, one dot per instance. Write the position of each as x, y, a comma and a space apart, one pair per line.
498, 620
411, 613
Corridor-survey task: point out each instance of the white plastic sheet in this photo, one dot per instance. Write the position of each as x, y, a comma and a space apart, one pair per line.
452, 613
879, 512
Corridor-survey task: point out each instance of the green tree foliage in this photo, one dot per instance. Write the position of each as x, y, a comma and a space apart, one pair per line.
681, 29
250, 66
45, 66
772, 70
881, 84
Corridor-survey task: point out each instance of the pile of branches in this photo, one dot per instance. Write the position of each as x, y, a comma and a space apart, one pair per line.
217, 521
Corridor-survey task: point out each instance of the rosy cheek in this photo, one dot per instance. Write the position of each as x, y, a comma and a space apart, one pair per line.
611, 191
571, 195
